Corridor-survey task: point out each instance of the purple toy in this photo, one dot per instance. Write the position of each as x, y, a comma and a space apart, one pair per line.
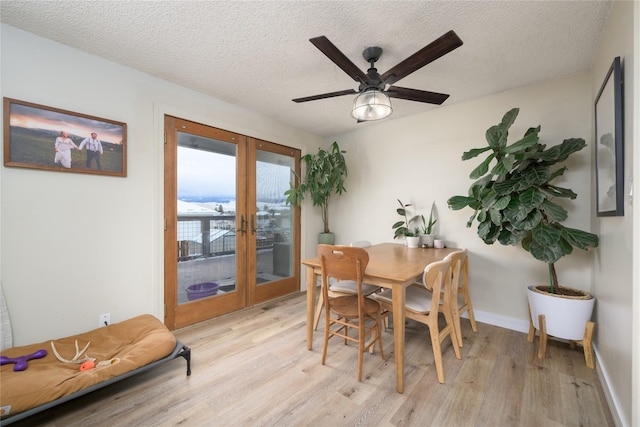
22, 361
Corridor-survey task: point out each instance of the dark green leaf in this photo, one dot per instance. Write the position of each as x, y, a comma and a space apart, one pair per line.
555, 191
495, 216
506, 187
458, 202
553, 211
561, 152
474, 152
531, 221
529, 140
545, 235
482, 168
546, 253
532, 198
502, 202
580, 239
537, 175
503, 167
398, 224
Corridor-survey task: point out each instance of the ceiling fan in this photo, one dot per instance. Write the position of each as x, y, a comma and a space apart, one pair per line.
374, 89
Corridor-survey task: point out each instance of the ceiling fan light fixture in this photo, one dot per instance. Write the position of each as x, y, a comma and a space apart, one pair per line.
370, 105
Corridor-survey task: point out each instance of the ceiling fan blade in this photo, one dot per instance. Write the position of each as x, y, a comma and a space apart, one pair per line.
334, 54
325, 95
427, 54
416, 95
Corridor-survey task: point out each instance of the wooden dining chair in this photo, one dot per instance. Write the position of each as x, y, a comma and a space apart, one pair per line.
344, 287
349, 311
460, 299
424, 304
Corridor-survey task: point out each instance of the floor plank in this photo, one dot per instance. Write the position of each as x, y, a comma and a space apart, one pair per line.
251, 368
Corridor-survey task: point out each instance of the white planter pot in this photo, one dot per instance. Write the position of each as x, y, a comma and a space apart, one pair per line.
412, 241
565, 318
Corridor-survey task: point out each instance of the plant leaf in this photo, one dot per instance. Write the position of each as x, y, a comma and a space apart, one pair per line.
548, 254
456, 203
474, 152
553, 211
532, 198
580, 239
528, 140
545, 235
482, 168
561, 152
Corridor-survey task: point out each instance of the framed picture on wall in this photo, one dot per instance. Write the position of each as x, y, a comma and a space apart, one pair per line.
610, 144
40, 137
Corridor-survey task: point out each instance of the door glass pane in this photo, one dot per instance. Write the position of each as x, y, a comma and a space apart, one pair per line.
206, 217
274, 222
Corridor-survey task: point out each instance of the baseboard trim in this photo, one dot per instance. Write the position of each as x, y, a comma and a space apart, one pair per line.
612, 399
501, 321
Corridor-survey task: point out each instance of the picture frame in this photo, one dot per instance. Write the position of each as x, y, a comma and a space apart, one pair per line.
609, 144
47, 138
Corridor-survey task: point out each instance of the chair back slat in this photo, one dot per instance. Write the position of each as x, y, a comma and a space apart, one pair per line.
437, 279
458, 261
343, 262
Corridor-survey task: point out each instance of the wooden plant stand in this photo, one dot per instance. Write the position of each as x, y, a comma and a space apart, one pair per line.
586, 342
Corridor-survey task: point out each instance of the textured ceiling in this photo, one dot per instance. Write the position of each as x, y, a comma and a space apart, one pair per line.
247, 53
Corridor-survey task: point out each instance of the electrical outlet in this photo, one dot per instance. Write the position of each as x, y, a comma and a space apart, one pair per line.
105, 319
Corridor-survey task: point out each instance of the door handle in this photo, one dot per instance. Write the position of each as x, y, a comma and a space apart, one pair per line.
253, 224
243, 224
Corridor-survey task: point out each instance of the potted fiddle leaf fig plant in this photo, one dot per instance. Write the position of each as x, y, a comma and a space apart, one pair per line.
325, 175
427, 236
513, 202
403, 228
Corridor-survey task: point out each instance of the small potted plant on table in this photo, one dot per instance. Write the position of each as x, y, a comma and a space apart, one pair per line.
427, 236
403, 227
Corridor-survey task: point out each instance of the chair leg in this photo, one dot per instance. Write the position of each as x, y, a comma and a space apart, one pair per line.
379, 337
361, 350
532, 329
327, 329
316, 319
542, 346
456, 326
448, 317
472, 318
437, 353
326, 342
587, 344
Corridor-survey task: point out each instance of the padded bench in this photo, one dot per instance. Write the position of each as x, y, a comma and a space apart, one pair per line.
132, 346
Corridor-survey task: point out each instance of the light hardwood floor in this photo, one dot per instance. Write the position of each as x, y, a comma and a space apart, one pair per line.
251, 368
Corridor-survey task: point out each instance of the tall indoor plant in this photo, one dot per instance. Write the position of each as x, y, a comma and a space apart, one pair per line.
513, 197
325, 174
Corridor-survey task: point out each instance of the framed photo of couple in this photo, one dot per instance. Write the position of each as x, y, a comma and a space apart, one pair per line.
40, 137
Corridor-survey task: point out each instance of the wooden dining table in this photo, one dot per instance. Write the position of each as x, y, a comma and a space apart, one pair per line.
393, 266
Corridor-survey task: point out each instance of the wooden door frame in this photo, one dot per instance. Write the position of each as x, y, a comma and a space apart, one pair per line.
247, 294
177, 316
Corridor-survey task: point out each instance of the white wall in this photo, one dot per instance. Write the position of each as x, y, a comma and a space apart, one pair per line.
59, 269
77, 245
418, 160
613, 270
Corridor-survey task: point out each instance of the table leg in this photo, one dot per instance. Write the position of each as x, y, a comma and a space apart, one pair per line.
398, 298
311, 302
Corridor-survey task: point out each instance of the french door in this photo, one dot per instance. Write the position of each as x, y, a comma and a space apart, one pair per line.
230, 239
